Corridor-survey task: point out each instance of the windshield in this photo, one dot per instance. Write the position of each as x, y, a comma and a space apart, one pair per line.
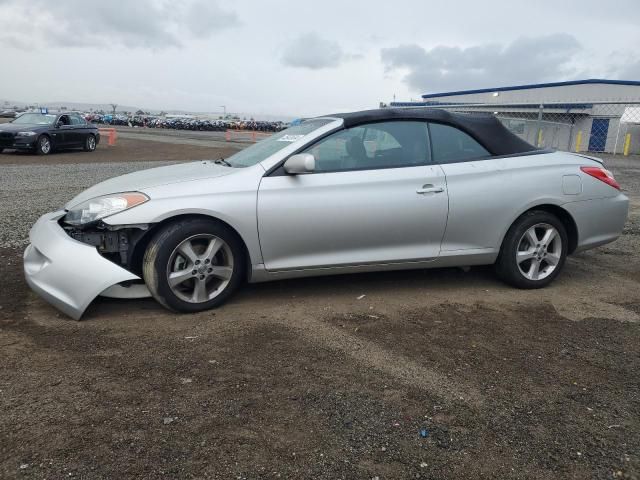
35, 119
267, 147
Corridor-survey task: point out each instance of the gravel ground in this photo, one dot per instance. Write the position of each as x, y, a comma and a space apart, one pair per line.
129, 149
180, 137
215, 139
28, 191
423, 374
31, 185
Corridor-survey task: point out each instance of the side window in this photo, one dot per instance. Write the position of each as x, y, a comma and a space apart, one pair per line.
64, 120
374, 145
76, 120
451, 145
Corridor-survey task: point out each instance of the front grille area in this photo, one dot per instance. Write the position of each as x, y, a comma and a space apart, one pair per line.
6, 139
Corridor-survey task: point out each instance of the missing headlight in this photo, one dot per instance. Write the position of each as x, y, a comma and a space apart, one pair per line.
114, 243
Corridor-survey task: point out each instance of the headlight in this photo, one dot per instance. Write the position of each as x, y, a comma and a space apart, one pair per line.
26, 134
101, 207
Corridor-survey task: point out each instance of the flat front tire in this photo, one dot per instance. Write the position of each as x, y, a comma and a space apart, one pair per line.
193, 265
534, 250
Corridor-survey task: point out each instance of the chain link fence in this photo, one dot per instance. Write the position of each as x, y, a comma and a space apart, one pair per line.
589, 127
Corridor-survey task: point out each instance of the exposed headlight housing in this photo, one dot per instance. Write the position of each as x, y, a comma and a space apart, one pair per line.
101, 207
26, 134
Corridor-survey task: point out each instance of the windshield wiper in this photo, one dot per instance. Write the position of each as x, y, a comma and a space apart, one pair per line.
222, 161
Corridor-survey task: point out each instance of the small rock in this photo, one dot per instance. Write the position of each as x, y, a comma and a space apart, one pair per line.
168, 420
23, 466
361, 297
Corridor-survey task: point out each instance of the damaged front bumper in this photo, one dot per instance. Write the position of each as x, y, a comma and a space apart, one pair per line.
66, 273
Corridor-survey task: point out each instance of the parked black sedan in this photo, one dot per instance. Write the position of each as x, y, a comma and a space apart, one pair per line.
44, 132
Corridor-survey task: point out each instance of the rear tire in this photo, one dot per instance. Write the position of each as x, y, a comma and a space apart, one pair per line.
89, 143
43, 146
534, 251
194, 265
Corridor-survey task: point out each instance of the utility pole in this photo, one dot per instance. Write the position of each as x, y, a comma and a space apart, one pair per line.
224, 110
113, 107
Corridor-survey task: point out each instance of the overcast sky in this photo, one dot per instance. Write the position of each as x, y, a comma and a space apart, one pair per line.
303, 57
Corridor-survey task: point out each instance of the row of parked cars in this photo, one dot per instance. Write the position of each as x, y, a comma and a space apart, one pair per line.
183, 123
42, 132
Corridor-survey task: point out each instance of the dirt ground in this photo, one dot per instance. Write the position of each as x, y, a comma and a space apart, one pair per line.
125, 150
435, 374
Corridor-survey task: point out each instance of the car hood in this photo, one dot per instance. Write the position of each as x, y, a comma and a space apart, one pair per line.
23, 127
153, 177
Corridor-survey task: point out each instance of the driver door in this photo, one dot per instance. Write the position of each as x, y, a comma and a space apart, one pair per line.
63, 131
374, 198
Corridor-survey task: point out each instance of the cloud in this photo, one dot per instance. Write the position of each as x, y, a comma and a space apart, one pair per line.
629, 71
314, 52
150, 24
205, 17
14, 41
525, 60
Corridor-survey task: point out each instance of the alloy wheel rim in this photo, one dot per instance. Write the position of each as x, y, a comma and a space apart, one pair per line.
539, 251
45, 145
200, 268
92, 143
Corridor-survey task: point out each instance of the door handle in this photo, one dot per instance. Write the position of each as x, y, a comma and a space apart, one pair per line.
429, 188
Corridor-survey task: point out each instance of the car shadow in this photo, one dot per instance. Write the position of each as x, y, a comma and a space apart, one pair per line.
324, 289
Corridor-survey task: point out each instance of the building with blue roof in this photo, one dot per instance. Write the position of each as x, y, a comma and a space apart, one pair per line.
585, 115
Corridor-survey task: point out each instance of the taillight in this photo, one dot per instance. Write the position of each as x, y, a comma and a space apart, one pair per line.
601, 174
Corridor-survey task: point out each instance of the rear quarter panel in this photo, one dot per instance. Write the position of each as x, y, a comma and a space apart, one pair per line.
487, 196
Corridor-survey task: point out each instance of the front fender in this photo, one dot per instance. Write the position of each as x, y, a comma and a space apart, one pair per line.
238, 211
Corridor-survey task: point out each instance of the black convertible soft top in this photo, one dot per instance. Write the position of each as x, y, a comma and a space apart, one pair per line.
483, 127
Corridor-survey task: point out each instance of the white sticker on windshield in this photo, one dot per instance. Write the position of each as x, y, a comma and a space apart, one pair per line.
290, 138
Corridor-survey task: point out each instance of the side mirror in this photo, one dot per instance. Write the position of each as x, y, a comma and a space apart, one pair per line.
300, 163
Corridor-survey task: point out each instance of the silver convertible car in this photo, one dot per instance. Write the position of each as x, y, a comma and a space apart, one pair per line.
386, 189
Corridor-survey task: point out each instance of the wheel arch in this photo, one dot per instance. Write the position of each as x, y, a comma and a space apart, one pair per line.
141, 245
46, 134
563, 215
